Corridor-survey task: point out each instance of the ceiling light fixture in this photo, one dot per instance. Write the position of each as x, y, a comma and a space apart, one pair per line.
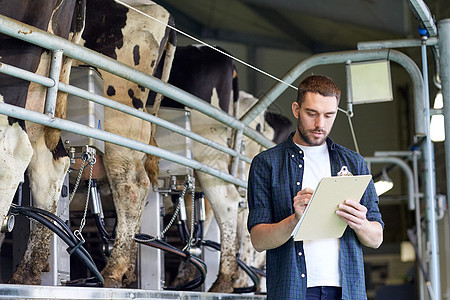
384, 184
437, 129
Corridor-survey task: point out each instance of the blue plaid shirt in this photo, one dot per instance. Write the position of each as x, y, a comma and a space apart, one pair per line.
272, 185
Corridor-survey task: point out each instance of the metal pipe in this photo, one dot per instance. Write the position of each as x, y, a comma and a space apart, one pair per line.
407, 170
148, 117
444, 62
349, 91
46, 40
394, 153
402, 43
430, 192
417, 215
24, 114
343, 57
238, 149
14, 71
52, 91
19, 73
422, 12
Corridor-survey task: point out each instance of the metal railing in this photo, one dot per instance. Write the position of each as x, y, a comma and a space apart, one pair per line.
59, 46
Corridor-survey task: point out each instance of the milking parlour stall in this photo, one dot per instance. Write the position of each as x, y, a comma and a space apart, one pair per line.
126, 142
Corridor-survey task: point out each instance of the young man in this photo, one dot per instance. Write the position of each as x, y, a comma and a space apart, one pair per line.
281, 183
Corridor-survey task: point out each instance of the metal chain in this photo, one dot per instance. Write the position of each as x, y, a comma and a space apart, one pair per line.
87, 157
189, 184
75, 188
83, 220
174, 216
191, 237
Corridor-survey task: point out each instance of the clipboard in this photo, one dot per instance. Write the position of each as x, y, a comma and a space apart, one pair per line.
319, 221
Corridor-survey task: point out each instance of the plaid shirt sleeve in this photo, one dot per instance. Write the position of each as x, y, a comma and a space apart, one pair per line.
259, 193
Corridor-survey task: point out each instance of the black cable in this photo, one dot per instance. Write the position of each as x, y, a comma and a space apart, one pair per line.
199, 231
260, 272
199, 264
64, 233
102, 229
183, 231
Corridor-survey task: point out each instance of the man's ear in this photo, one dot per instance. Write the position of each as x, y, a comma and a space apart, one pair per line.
295, 109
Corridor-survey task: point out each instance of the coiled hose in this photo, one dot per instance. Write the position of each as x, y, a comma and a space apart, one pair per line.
63, 231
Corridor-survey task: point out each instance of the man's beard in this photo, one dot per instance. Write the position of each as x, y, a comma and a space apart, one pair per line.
307, 137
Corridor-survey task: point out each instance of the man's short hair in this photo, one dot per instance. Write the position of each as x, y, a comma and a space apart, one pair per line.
318, 84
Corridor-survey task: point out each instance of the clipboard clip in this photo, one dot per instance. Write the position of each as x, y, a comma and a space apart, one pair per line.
344, 172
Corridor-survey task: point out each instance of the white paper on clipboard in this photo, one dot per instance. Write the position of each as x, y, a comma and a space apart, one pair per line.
319, 220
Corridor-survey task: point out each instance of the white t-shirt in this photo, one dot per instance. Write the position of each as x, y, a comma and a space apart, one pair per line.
322, 256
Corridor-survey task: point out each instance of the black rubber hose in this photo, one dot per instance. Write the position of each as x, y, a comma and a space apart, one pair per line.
69, 239
199, 264
59, 221
183, 231
102, 229
258, 271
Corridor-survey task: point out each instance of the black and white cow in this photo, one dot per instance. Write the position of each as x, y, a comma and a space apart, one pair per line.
140, 42
277, 128
208, 75
118, 32
28, 145
281, 125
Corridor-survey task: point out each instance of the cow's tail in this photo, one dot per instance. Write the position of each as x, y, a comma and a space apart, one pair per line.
165, 60
52, 135
151, 164
235, 85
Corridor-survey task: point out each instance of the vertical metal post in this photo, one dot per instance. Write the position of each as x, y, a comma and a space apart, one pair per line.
417, 214
444, 67
52, 92
430, 208
151, 260
237, 148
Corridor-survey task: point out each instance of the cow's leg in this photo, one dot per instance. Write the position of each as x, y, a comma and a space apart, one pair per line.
223, 197
15, 155
248, 254
224, 200
129, 185
46, 179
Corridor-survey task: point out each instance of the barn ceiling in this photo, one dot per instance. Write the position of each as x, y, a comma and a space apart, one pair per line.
317, 26
308, 26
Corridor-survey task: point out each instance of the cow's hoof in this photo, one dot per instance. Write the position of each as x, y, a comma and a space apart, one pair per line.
112, 283
27, 278
222, 286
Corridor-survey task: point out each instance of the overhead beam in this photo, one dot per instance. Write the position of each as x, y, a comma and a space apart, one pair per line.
191, 26
298, 36
386, 15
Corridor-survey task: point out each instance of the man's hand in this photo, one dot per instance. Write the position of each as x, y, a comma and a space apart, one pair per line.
301, 200
353, 213
370, 233
269, 236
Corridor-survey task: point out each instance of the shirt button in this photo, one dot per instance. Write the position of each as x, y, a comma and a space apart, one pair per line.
300, 166
298, 182
303, 275
300, 151
300, 254
293, 155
